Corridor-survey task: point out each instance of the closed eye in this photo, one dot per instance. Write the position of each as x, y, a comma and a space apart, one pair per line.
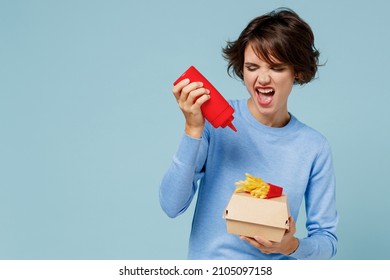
251, 67
278, 69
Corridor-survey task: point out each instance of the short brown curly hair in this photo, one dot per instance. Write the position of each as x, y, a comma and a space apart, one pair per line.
279, 35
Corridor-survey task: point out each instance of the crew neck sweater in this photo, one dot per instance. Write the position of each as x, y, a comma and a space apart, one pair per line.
295, 157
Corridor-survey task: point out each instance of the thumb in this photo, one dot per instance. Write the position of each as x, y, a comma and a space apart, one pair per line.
291, 223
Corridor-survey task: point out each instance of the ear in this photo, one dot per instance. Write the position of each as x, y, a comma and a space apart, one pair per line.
299, 77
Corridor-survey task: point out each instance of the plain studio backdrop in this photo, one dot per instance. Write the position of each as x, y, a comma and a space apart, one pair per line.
88, 123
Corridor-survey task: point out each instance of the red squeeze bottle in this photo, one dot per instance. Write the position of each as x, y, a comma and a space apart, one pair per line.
216, 110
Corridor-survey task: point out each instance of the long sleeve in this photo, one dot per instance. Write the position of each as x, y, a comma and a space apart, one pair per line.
180, 182
295, 157
322, 217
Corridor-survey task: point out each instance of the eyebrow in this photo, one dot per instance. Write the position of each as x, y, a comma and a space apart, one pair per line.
280, 64
250, 64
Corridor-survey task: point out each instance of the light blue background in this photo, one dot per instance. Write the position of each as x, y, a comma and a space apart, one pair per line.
88, 124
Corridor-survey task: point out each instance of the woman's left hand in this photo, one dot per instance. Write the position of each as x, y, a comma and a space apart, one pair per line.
286, 246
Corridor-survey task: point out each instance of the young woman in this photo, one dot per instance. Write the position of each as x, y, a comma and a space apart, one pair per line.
274, 52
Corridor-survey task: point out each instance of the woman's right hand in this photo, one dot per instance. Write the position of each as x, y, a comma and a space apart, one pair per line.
190, 96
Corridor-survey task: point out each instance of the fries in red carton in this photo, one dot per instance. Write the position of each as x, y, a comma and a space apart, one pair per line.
258, 188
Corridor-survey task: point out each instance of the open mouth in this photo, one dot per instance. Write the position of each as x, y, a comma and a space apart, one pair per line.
265, 95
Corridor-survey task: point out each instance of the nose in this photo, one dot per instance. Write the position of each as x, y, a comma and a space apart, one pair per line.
263, 77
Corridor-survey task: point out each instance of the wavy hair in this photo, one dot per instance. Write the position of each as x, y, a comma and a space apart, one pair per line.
281, 36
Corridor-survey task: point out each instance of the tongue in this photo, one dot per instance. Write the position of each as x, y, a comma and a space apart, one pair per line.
264, 99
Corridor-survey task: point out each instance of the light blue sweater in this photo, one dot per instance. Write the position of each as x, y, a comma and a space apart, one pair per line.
295, 157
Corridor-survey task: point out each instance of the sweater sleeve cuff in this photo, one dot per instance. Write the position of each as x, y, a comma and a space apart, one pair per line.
187, 151
301, 252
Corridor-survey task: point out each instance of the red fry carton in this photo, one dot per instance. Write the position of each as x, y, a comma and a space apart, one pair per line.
274, 191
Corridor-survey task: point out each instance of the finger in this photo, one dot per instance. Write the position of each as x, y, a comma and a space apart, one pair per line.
292, 226
179, 86
256, 244
194, 100
200, 101
263, 241
186, 90
196, 94
251, 241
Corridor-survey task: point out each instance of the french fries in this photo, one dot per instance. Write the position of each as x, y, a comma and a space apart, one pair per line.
253, 185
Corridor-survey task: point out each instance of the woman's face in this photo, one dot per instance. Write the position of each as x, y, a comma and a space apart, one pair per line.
269, 87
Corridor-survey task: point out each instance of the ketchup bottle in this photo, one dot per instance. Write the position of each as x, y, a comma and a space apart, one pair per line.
216, 110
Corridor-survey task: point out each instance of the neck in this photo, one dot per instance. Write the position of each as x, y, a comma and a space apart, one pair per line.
278, 119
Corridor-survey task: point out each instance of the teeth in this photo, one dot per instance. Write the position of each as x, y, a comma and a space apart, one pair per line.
265, 91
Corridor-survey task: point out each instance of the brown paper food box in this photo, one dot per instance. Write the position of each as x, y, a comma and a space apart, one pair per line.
250, 216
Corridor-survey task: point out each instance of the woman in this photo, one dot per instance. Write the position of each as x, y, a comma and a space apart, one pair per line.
274, 52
